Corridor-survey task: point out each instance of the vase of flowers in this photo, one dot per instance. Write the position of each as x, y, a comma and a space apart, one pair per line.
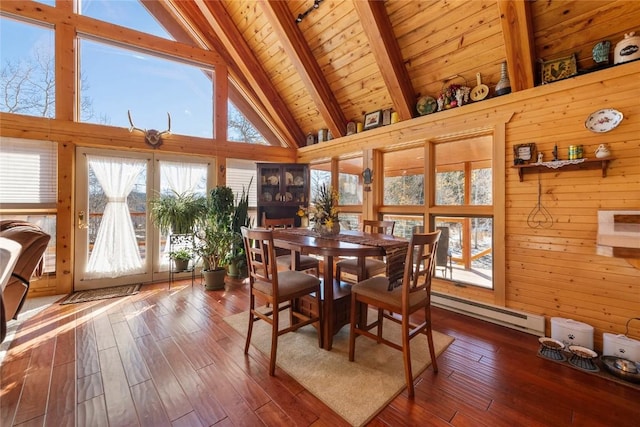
323, 212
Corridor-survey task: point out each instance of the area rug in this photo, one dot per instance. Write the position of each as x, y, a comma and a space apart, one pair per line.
357, 390
104, 293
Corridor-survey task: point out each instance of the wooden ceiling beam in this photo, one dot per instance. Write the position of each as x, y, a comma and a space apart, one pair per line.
231, 41
384, 46
517, 30
296, 47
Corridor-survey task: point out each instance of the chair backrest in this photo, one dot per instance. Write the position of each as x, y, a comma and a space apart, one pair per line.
380, 227
443, 247
261, 257
277, 222
420, 263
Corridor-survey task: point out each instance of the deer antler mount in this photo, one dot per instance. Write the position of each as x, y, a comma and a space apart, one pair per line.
152, 137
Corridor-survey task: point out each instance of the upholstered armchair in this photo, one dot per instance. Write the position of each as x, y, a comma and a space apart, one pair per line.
22, 246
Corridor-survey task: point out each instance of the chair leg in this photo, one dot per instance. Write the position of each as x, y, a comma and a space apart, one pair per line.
432, 350
352, 330
252, 304
406, 353
337, 273
380, 320
274, 340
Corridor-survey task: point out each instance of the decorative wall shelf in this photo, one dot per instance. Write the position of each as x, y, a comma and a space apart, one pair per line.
565, 165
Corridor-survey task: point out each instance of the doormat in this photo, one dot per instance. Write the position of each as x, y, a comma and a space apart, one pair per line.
104, 293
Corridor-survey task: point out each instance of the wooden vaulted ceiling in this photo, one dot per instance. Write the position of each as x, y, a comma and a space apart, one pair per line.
346, 58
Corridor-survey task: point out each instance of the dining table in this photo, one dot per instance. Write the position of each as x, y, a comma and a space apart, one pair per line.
335, 298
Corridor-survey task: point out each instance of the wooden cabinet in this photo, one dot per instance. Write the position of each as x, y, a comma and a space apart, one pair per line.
282, 188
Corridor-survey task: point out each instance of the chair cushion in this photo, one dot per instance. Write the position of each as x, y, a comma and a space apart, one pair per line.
290, 282
306, 261
378, 288
372, 266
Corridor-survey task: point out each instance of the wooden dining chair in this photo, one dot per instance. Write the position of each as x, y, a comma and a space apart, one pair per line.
281, 289
373, 266
412, 295
307, 262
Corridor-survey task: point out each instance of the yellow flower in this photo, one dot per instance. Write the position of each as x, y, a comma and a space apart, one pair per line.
301, 212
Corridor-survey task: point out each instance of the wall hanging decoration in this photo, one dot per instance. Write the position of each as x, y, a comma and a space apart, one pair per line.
152, 137
540, 217
523, 153
603, 120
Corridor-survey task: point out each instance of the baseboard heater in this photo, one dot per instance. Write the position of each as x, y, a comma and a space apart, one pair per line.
525, 322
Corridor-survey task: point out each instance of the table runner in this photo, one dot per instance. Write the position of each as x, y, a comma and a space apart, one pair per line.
395, 251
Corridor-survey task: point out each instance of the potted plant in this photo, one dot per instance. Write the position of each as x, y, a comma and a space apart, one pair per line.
216, 237
177, 213
181, 258
240, 218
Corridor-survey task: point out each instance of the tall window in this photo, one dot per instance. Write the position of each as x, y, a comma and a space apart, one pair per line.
29, 187
463, 210
128, 13
404, 189
241, 175
27, 71
240, 129
114, 80
350, 192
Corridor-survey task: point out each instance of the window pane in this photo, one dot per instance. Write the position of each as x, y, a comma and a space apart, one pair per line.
404, 177
320, 174
466, 250
464, 175
127, 13
240, 129
241, 174
27, 71
350, 221
404, 224
48, 224
28, 173
481, 186
350, 181
114, 80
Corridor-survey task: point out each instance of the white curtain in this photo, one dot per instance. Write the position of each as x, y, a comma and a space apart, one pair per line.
115, 252
181, 178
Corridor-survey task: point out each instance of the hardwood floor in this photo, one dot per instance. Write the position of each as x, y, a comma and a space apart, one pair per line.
166, 358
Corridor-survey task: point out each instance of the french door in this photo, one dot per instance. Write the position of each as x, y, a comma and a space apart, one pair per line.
116, 243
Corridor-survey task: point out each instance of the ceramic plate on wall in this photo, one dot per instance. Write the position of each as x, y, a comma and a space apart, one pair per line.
603, 120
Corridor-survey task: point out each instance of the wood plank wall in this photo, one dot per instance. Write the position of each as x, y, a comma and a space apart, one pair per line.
550, 271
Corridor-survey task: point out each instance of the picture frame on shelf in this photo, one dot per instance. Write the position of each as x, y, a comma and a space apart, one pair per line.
524, 153
373, 120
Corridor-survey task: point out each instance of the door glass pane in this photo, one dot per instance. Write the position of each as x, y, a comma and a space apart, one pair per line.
117, 216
